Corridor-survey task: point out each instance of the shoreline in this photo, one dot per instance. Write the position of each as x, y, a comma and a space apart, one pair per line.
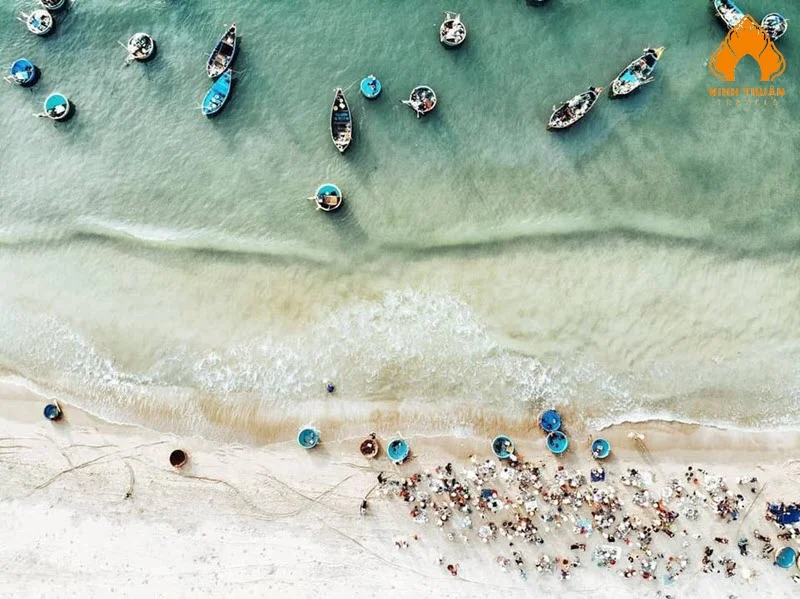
242, 520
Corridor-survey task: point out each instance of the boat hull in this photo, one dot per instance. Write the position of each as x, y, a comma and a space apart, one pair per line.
452, 32
341, 123
574, 109
636, 74
224, 53
217, 97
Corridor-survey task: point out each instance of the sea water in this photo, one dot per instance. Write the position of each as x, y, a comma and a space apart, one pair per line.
162, 268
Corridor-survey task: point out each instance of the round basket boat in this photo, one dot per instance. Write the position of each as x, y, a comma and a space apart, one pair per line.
550, 421
57, 107
40, 22
328, 197
786, 557
52, 412
397, 450
141, 47
600, 449
421, 100
774, 25
23, 72
557, 442
178, 458
53, 5
308, 438
370, 447
502, 447
371, 87
452, 32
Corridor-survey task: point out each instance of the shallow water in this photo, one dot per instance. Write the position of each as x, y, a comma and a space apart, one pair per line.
163, 268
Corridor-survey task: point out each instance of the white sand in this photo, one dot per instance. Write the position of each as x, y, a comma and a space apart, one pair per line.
278, 521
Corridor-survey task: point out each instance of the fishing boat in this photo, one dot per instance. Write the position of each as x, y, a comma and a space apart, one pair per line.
39, 22
141, 47
775, 24
557, 442
422, 100
370, 446
637, 74
328, 197
398, 450
452, 32
550, 420
341, 121
218, 94
370, 87
53, 5
502, 447
56, 107
308, 437
23, 72
728, 12
574, 109
224, 53
601, 449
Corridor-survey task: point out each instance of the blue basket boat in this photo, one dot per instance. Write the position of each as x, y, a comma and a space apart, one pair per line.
23, 72
557, 442
786, 557
52, 412
308, 438
550, 421
218, 94
600, 449
397, 450
57, 107
502, 447
371, 87
328, 197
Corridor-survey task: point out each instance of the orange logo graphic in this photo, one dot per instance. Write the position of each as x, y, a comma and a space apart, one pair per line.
747, 37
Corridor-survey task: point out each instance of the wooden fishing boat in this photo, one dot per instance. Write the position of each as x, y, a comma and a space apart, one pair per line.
39, 22
224, 53
53, 5
636, 74
775, 24
371, 87
328, 197
341, 121
57, 107
574, 109
141, 47
422, 100
23, 72
452, 32
370, 446
728, 12
218, 94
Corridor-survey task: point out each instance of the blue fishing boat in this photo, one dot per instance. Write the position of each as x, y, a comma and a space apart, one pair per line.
370, 87
600, 449
328, 197
218, 94
502, 447
786, 557
23, 72
308, 437
224, 53
728, 12
57, 107
550, 421
52, 412
775, 24
637, 74
557, 442
341, 121
397, 450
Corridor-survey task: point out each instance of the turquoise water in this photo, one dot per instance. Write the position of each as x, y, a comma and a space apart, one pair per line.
156, 263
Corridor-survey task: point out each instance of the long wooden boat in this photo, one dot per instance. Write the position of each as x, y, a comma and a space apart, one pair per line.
218, 94
452, 32
574, 109
775, 24
224, 53
341, 121
39, 22
636, 74
422, 100
728, 12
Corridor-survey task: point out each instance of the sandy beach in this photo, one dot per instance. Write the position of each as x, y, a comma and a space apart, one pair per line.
93, 509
